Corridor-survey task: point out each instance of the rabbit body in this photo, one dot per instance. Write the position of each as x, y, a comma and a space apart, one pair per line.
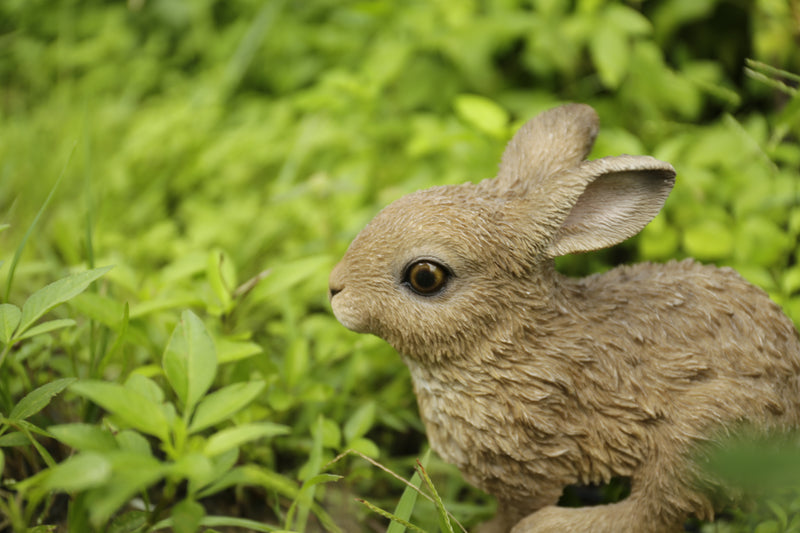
529, 380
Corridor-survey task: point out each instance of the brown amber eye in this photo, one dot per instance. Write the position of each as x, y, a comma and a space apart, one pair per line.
426, 277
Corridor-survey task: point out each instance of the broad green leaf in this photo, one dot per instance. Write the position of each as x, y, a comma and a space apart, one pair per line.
15, 438
79, 472
99, 307
627, 20
186, 516
190, 360
223, 403
226, 439
192, 466
46, 327
229, 351
132, 441
482, 113
84, 437
56, 293
181, 300
256, 476
288, 274
132, 407
709, 240
131, 473
761, 242
2, 462
37, 399
331, 434
220, 466
360, 422
9, 320
790, 281
133, 521
364, 446
610, 52
296, 362
145, 386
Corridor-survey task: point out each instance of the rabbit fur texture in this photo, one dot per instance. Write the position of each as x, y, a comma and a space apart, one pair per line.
529, 380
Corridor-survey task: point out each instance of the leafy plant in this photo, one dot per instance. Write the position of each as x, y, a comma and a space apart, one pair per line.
221, 155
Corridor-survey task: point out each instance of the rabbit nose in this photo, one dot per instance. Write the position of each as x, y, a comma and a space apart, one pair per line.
333, 291
335, 282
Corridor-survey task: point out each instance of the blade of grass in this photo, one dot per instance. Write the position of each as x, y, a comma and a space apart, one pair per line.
396, 520
13, 266
394, 475
224, 521
444, 521
407, 500
770, 70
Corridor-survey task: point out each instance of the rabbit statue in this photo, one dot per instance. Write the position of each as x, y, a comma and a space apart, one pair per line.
529, 380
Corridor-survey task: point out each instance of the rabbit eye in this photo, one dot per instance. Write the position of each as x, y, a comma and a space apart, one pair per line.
426, 277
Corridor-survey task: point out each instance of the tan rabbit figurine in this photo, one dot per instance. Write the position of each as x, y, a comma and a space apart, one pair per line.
529, 380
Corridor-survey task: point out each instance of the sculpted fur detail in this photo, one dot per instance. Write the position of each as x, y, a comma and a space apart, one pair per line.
528, 380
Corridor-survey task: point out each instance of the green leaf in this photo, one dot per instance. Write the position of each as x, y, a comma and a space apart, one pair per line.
186, 516
331, 434
134, 521
226, 439
47, 327
444, 520
223, 403
132, 441
145, 386
790, 281
360, 422
84, 437
37, 399
709, 240
9, 320
482, 113
131, 473
364, 446
288, 274
190, 360
79, 472
229, 351
257, 476
15, 438
220, 274
132, 407
610, 52
409, 498
193, 466
54, 294
220, 466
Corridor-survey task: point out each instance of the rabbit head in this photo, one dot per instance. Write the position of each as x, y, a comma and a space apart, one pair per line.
440, 269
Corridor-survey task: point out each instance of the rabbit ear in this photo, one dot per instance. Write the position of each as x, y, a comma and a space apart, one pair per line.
619, 196
547, 144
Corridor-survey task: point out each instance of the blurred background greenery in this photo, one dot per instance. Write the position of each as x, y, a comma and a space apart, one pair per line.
204, 143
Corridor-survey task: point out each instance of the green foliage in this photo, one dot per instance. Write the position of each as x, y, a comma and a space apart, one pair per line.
221, 155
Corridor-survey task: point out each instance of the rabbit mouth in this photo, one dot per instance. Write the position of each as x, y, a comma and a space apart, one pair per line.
347, 315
